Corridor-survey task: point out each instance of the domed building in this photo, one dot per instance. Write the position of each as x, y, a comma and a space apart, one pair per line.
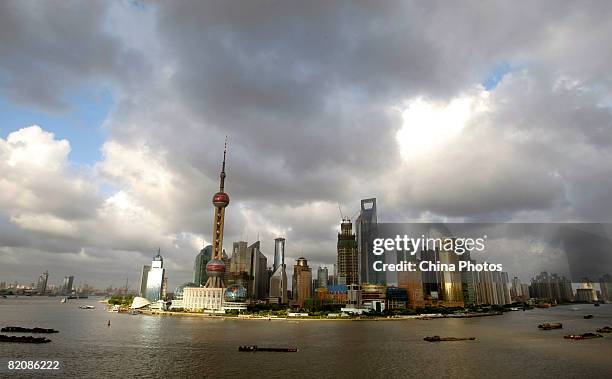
235, 297
139, 302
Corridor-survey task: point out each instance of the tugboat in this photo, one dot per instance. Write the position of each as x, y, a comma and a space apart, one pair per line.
23, 339
254, 348
588, 317
605, 329
444, 339
583, 336
19, 329
551, 325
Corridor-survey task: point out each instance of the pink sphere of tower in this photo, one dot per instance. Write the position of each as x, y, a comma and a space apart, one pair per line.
220, 200
215, 268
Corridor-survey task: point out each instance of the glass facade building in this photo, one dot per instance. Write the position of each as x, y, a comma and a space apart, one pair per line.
366, 225
199, 266
155, 279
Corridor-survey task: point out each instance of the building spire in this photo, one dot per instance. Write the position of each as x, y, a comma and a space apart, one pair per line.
222, 183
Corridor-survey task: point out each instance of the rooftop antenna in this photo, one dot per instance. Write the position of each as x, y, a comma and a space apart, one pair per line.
340, 209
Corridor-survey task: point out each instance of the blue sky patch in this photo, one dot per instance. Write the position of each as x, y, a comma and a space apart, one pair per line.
81, 125
496, 74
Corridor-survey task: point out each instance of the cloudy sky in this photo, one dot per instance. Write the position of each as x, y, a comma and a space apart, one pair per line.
114, 116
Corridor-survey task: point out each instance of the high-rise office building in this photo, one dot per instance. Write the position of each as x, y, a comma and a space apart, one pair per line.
240, 266
155, 278
605, 286
278, 280
322, 276
302, 282
144, 274
443, 287
41, 286
67, 285
551, 287
199, 266
348, 258
491, 287
411, 281
366, 225
517, 290
258, 273
279, 253
467, 280
586, 292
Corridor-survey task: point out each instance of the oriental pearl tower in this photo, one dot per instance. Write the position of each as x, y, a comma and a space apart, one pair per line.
216, 267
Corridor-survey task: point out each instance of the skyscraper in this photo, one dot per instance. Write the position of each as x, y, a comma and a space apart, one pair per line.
155, 278
144, 274
348, 258
41, 286
302, 282
366, 225
259, 273
322, 276
240, 265
279, 252
551, 287
199, 266
605, 285
278, 280
67, 285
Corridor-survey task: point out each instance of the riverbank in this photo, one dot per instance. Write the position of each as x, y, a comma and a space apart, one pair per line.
317, 318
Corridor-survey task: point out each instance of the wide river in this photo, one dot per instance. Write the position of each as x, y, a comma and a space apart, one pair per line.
171, 346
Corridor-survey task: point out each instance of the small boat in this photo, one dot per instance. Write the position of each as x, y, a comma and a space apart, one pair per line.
588, 317
596, 304
63, 300
23, 339
254, 348
19, 329
605, 329
444, 339
514, 309
551, 325
583, 336
87, 307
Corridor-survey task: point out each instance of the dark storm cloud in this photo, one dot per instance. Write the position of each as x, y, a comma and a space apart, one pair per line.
50, 48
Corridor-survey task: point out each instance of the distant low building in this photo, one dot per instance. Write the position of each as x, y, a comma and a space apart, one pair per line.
397, 298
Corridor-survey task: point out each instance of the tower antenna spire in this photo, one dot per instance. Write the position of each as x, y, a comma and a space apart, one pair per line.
222, 183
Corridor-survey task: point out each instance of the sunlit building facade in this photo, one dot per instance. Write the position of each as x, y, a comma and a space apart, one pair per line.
302, 282
155, 279
348, 256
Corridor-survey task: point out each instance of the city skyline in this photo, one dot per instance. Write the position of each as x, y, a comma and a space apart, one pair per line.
110, 152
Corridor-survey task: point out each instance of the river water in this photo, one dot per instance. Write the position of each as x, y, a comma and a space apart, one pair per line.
510, 345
